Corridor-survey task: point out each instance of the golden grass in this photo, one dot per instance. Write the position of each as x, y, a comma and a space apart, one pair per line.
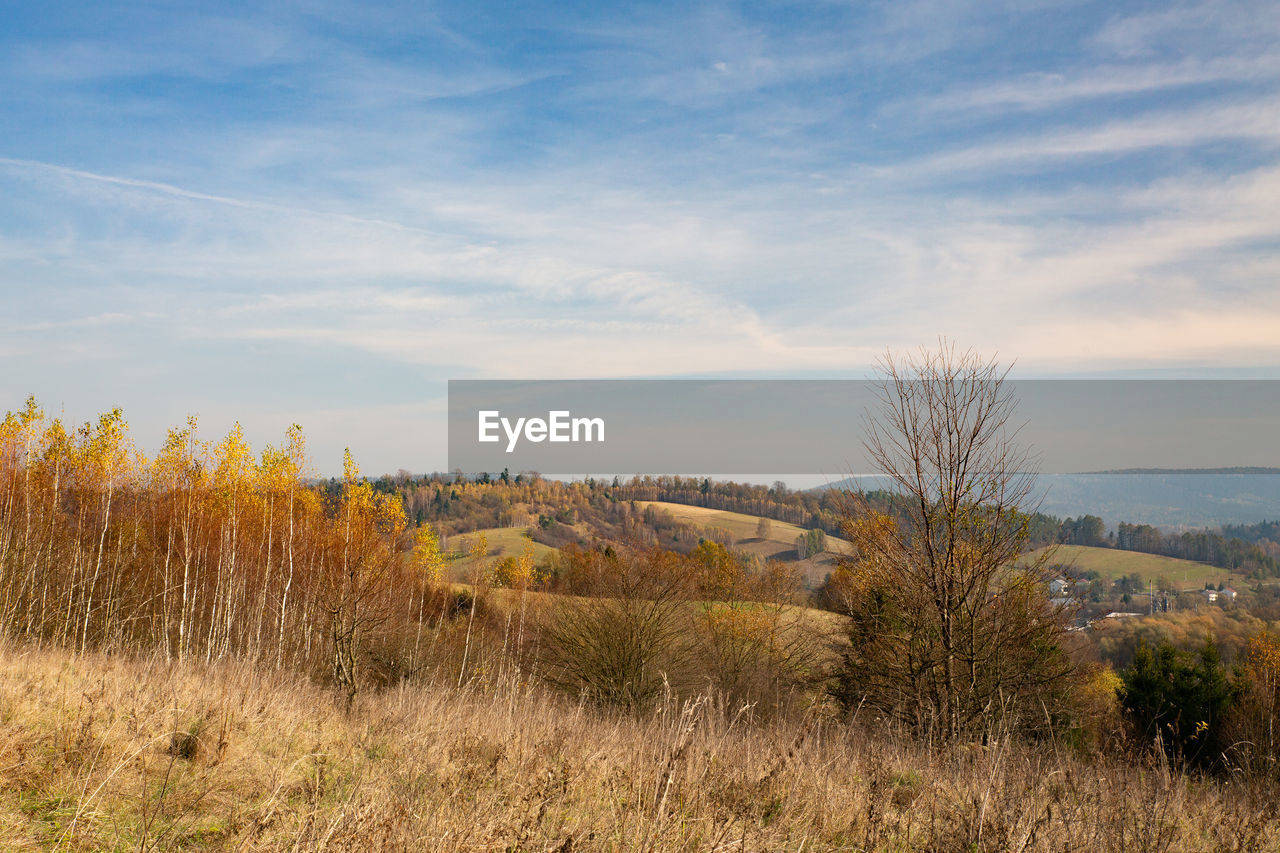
741, 525
110, 753
502, 542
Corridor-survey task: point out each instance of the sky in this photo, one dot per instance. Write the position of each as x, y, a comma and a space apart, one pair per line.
321, 212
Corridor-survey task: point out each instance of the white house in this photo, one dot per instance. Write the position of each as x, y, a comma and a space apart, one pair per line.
1226, 595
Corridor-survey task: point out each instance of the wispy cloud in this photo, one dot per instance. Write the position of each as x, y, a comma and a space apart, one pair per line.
1046, 90
1255, 122
332, 213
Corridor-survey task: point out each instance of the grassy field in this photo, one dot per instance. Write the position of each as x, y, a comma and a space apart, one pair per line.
1112, 563
779, 545
742, 526
503, 542
114, 753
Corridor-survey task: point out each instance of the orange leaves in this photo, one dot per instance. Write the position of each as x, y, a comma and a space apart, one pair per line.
881, 555
742, 624
1263, 650
360, 504
182, 462
720, 575
1262, 656
104, 449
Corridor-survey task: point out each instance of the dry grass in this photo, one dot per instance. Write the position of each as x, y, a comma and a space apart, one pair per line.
742, 526
111, 753
502, 542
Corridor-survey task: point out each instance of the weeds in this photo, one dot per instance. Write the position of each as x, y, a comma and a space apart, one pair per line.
114, 753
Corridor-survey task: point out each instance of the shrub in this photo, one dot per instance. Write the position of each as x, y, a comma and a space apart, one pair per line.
1179, 700
628, 635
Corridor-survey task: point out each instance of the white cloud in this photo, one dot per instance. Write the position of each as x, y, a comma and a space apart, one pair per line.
1256, 121
1046, 90
670, 197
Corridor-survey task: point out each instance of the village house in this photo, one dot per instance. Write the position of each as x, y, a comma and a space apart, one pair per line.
1226, 595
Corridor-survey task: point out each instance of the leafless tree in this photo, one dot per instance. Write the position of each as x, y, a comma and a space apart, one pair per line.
951, 627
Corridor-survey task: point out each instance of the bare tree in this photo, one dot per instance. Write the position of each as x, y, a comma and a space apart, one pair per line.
951, 628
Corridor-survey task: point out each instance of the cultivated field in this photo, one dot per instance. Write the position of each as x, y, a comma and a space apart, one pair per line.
741, 525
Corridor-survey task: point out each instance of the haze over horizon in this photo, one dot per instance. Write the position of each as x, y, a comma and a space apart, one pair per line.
319, 214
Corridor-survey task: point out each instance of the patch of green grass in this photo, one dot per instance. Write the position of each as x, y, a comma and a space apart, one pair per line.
1112, 563
50, 813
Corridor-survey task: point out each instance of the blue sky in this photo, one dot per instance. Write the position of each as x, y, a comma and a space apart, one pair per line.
321, 212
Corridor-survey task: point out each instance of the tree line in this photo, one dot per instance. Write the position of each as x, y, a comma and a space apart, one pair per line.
1224, 550
205, 551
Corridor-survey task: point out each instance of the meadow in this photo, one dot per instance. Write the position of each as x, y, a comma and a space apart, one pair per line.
1112, 563
136, 753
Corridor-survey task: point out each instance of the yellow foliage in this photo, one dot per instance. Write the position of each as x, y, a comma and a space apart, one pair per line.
1262, 652
426, 556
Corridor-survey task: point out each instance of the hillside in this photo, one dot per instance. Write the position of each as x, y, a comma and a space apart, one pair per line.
780, 544
692, 522
114, 753
1112, 563
502, 542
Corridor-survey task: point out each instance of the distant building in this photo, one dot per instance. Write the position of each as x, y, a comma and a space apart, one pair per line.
1059, 585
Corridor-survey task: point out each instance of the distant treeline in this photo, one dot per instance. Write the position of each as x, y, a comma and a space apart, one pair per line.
454, 503
1258, 557
1251, 549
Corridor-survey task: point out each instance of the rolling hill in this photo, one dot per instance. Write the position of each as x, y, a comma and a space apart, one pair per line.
502, 541
1111, 563
780, 544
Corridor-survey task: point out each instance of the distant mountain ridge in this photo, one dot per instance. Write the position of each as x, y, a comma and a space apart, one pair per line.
1169, 498
1207, 471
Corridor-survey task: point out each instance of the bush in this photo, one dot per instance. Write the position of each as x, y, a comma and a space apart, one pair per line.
1179, 700
1250, 727
627, 636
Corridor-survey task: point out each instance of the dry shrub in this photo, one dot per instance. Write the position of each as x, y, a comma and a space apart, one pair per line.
649, 621
628, 636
